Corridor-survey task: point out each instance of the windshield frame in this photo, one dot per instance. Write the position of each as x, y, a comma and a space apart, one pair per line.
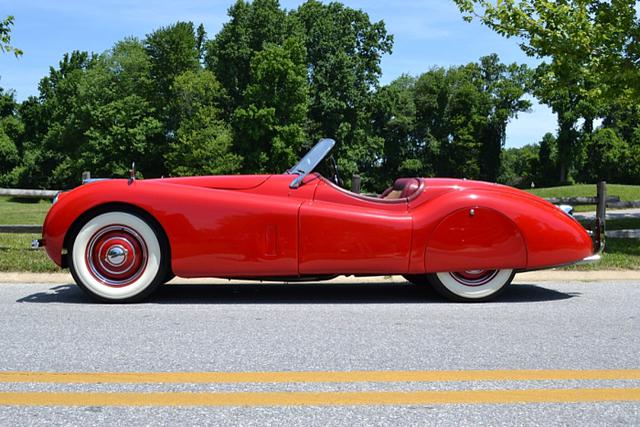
310, 160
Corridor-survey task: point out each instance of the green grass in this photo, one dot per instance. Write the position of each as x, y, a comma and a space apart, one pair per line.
15, 249
29, 212
16, 254
619, 254
625, 192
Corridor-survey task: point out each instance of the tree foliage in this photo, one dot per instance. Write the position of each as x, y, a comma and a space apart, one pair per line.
590, 49
5, 36
270, 123
449, 122
251, 26
254, 96
344, 49
203, 140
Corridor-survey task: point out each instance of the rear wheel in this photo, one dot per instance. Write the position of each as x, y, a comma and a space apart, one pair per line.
469, 285
119, 256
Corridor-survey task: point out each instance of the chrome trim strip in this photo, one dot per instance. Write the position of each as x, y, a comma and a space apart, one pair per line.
590, 259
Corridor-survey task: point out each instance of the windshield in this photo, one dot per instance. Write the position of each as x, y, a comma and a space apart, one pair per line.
310, 161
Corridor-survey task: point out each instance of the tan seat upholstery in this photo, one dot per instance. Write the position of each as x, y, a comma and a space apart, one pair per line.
402, 188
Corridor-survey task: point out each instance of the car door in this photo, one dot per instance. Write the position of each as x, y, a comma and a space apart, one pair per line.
341, 232
236, 233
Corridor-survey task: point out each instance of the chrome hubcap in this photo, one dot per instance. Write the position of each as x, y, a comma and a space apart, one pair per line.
116, 255
474, 277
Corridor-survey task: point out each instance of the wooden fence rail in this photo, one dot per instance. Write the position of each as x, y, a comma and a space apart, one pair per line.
611, 202
28, 194
21, 229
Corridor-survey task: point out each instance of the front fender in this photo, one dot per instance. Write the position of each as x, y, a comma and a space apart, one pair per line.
71, 205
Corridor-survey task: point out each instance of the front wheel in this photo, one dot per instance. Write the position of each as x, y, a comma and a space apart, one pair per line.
119, 256
466, 286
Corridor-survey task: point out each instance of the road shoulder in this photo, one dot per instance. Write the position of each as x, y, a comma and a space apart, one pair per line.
528, 277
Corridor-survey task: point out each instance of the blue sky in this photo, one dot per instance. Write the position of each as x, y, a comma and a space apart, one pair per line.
427, 33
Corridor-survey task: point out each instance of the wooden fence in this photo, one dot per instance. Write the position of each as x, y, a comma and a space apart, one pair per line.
28, 194
601, 195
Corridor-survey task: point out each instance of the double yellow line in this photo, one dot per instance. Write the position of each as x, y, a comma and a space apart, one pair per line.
317, 398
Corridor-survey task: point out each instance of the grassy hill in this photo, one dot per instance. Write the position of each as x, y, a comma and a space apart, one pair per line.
625, 192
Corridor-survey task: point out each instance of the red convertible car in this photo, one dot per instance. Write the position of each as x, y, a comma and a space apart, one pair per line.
122, 238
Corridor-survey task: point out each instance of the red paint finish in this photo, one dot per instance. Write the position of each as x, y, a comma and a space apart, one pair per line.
475, 238
341, 232
550, 237
256, 226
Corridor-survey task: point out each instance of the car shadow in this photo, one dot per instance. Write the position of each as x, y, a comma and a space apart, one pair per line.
313, 293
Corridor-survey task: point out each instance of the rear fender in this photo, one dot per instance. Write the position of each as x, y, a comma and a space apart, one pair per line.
475, 237
508, 229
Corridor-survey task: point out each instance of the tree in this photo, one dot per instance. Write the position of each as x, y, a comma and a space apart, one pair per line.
394, 121
344, 49
607, 157
270, 125
634, 154
593, 50
203, 141
462, 113
518, 166
229, 54
547, 162
503, 87
5, 36
119, 122
172, 50
92, 114
11, 130
57, 130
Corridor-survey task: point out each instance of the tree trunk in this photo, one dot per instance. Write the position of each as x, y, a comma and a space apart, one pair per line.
587, 128
565, 146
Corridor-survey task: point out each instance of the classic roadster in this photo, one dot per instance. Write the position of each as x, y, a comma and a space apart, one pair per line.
122, 238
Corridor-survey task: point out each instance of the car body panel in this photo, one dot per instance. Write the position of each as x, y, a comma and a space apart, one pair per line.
550, 236
485, 235
257, 226
227, 182
377, 238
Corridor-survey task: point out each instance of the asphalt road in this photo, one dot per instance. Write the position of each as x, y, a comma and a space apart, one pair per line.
350, 354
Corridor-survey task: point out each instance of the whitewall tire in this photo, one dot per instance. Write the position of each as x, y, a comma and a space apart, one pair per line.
118, 256
468, 286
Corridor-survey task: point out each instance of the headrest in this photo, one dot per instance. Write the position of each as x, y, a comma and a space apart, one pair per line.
408, 186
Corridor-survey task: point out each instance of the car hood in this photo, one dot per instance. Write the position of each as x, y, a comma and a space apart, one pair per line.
221, 182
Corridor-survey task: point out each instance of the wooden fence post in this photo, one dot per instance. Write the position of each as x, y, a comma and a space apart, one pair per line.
355, 183
601, 210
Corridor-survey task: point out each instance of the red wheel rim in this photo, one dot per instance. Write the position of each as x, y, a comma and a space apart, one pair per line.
116, 255
474, 277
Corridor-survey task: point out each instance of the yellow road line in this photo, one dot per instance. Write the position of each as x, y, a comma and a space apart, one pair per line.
320, 398
316, 376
